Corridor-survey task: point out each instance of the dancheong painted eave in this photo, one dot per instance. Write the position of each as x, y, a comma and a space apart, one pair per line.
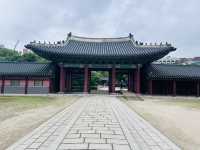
77, 49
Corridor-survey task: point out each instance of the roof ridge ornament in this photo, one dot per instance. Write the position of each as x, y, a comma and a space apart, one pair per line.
129, 38
69, 34
130, 35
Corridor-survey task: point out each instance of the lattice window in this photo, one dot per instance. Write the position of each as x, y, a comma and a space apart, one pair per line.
14, 82
38, 83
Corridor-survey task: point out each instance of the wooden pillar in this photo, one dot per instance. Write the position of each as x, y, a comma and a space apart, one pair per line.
62, 79
50, 85
2, 85
150, 87
132, 82
137, 79
86, 79
129, 81
197, 88
89, 80
67, 80
26, 86
174, 87
110, 82
70, 81
113, 79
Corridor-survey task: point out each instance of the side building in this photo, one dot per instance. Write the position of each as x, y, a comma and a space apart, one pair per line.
26, 78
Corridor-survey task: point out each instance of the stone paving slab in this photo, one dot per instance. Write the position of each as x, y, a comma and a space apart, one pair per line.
97, 123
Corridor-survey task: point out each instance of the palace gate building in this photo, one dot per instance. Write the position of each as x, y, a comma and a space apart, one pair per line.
73, 60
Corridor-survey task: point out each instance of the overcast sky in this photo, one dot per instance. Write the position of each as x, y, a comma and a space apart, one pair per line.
175, 21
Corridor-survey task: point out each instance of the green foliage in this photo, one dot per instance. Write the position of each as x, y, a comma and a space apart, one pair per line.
121, 77
96, 78
11, 55
32, 57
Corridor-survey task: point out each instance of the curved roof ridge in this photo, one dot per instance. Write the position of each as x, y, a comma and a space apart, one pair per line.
99, 39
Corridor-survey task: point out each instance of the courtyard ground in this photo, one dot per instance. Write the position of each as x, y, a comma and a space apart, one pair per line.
20, 115
178, 118
95, 122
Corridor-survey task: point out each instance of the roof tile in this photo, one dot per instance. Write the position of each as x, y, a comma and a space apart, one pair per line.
25, 68
101, 49
166, 71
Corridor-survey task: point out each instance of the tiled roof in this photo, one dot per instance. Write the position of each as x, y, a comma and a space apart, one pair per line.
173, 71
17, 68
124, 49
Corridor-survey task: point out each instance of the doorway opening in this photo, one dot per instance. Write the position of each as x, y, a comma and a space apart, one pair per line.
121, 82
99, 82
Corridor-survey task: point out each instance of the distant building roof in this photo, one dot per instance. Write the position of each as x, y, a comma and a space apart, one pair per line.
167, 60
196, 59
34, 69
2, 46
158, 71
109, 50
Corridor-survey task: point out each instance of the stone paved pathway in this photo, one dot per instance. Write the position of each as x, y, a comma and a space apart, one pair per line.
97, 123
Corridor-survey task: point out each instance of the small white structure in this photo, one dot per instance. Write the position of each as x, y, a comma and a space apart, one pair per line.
167, 60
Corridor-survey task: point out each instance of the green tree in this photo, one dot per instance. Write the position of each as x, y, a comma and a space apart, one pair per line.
32, 57
12, 55
96, 78
9, 55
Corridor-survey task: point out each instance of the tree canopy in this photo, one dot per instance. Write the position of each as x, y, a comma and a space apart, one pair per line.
12, 55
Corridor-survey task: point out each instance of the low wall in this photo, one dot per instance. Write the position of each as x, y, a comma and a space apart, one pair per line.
14, 89
21, 88
37, 90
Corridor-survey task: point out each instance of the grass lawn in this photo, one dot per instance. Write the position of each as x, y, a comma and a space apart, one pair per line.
12, 105
21, 103
20, 115
177, 118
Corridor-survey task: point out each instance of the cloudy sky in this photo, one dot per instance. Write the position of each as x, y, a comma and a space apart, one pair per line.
175, 21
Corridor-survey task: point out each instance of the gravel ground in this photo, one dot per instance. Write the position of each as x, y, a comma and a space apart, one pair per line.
177, 118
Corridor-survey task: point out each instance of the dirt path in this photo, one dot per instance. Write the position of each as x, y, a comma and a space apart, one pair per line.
15, 127
176, 119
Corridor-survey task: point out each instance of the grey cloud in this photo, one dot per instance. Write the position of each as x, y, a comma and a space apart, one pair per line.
149, 21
